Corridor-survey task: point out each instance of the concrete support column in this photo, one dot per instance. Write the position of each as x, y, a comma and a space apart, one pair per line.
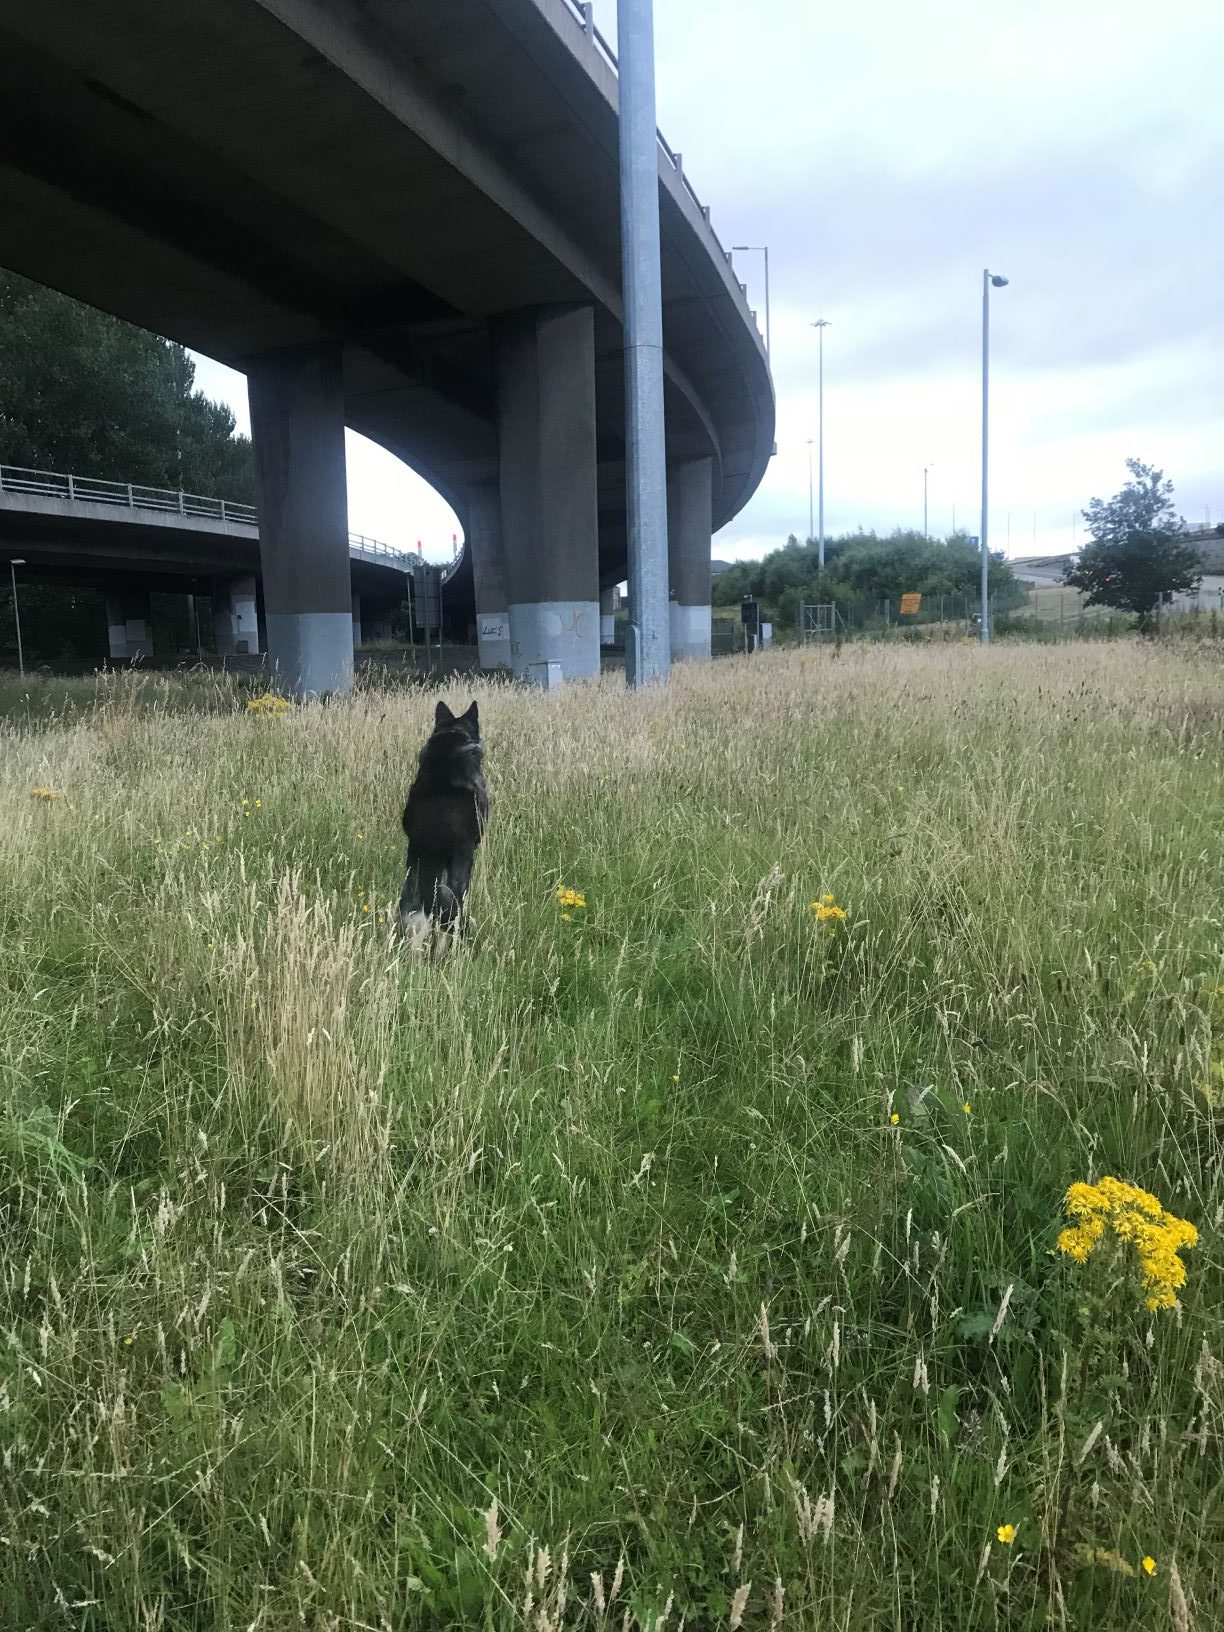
129, 630
484, 539
297, 424
607, 618
690, 511
235, 617
356, 621
544, 362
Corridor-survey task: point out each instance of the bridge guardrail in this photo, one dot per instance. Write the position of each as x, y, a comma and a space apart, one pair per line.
56, 484
132, 495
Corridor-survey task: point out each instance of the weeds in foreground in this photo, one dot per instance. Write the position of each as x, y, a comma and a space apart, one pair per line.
674, 1251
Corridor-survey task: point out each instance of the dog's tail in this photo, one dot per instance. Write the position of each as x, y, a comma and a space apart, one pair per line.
427, 898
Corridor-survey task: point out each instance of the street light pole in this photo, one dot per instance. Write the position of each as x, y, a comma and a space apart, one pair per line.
759, 249
14, 563
649, 650
820, 325
989, 280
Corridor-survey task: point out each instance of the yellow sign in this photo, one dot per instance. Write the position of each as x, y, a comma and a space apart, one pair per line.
910, 603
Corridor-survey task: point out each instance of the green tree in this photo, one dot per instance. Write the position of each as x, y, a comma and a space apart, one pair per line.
862, 572
85, 393
1137, 554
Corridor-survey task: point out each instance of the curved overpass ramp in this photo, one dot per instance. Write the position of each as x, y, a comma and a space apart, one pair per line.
128, 540
405, 218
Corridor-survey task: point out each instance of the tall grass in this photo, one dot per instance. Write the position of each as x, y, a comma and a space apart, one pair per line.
682, 1260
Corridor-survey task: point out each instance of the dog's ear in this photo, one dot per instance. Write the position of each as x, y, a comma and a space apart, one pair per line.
443, 715
473, 714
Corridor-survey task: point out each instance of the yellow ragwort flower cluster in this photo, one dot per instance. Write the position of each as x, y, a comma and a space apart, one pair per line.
268, 703
570, 898
1134, 1216
828, 912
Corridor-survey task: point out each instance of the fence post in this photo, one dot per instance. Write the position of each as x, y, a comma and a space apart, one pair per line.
71, 489
588, 18
182, 511
131, 501
222, 509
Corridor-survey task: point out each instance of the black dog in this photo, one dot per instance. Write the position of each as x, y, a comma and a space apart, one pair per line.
444, 819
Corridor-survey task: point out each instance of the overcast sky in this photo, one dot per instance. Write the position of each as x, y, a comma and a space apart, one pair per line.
886, 152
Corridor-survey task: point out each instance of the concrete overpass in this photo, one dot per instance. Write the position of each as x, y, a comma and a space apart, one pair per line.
128, 540
402, 218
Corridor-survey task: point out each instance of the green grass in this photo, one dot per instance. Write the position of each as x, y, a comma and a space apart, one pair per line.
314, 1249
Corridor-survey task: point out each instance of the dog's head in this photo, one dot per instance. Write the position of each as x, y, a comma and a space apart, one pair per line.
455, 734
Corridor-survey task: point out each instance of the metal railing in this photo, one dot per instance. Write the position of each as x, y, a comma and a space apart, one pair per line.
129, 495
583, 13
361, 545
52, 484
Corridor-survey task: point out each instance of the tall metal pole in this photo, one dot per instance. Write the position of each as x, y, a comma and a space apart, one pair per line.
985, 621
820, 326
649, 647
989, 280
13, 565
759, 249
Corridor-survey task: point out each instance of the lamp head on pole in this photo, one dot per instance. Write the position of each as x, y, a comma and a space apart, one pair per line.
998, 281
822, 323
17, 561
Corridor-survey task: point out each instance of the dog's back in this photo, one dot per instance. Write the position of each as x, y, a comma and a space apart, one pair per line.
444, 818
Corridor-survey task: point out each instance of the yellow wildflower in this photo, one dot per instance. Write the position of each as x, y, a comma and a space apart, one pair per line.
1149, 1565
567, 917
570, 898
967, 1108
1134, 1216
895, 1118
45, 794
1006, 1534
268, 703
827, 910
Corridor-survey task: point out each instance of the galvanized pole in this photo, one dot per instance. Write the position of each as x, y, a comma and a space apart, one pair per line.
985, 451
648, 651
759, 249
13, 565
820, 326
989, 279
